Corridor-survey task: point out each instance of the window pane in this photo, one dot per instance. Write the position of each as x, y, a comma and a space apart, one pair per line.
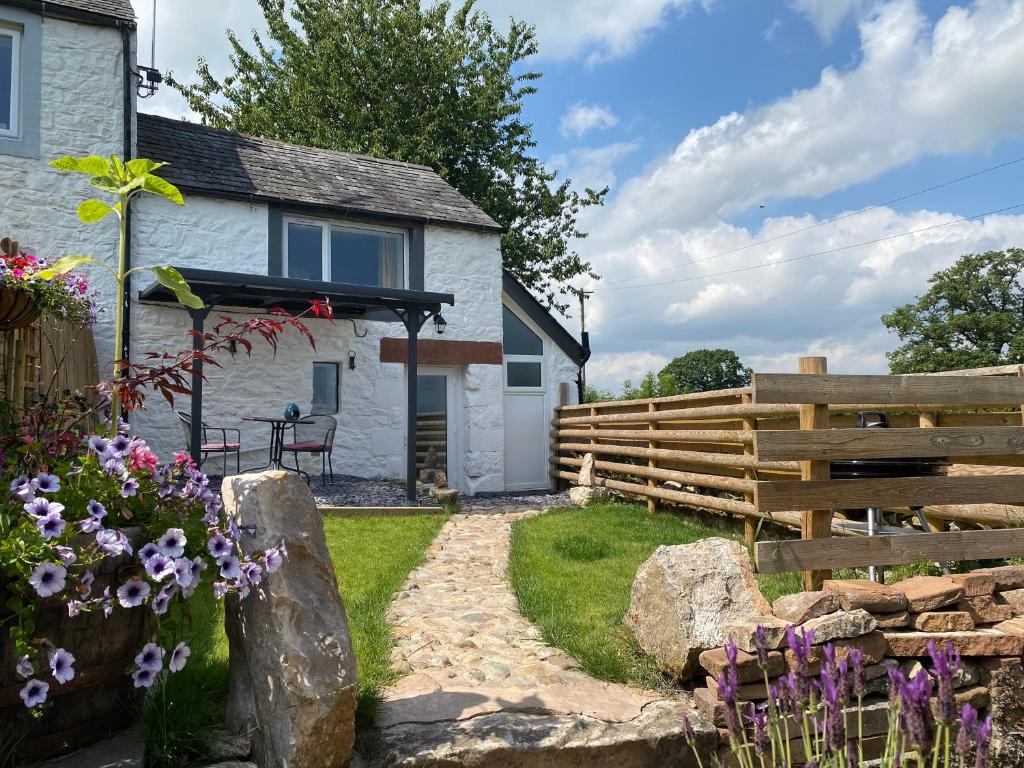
431, 425
6, 80
519, 340
305, 247
523, 374
367, 257
325, 387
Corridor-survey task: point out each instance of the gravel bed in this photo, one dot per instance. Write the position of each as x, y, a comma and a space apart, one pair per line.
350, 491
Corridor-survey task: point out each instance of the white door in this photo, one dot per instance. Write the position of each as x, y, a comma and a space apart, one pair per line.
526, 450
437, 423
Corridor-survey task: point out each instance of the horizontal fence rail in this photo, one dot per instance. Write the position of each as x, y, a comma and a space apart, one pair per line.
763, 452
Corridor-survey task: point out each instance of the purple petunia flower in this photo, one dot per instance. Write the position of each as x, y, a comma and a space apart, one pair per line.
75, 607
67, 554
159, 567
89, 525
120, 445
162, 601
48, 579
112, 542
143, 677
24, 667
218, 546
95, 509
51, 525
146, 551
133, 592
85, 584
272, 559
243, 587
179, 656
229, 567
44, 482
21, 488
220, 588
252, 573
182, 570
129, 487
150, 657
172, 543
62, 665
41, 507
34, 693
98, 444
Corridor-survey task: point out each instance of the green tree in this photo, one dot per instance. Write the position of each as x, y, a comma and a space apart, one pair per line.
706, 369
652, 385
425, 85
972, 316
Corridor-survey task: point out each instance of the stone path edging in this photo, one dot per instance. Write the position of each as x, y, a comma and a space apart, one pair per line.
482, 688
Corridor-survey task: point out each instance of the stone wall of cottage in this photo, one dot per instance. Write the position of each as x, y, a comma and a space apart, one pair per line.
81, 114
232, 236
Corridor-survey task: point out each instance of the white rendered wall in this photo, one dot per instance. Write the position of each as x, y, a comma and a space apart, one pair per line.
81, 114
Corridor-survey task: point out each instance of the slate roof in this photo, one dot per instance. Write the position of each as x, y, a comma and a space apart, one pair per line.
117, 9
219, 163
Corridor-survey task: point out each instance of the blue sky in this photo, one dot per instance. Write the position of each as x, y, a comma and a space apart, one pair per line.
699, 112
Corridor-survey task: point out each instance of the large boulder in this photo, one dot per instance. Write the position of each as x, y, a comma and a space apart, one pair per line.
684, 596
585, 495
292, 685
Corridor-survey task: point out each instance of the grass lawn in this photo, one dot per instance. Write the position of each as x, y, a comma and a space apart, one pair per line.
572, 570
372, 557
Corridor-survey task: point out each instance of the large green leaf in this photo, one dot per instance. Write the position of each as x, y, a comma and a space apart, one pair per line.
164, 188
171, 279
93, 165
142, 166
62, 266
106, 183
93, 210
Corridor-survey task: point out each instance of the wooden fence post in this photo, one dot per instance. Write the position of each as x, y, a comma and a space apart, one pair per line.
652, 426
930, 420
815, 523
749, 473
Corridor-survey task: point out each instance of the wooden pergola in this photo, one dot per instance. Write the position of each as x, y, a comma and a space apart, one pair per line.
236, 289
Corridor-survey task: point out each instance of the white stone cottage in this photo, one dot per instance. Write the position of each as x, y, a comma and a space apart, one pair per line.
68, 85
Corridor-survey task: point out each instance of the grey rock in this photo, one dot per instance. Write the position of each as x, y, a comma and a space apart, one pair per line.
684, 596
292, 673
743, 632
583, 495
444, 496
840, 625
587, 470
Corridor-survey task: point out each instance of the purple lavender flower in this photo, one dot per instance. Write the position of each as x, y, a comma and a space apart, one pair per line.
984, 734
852, 756
24, 667
761, 645
144, 677
34, 693
172, 543
179, 656
51, 526
44, 482
229, 568
133, 592
856, 657
946, 661
968, 730
762, 741
150, 657
688, 732
62, 665
916, 711
218, 546
48, 579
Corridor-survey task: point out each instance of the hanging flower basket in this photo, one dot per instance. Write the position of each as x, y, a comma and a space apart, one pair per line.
18, 309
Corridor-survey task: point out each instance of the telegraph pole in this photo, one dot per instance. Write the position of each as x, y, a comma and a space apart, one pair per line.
584, 295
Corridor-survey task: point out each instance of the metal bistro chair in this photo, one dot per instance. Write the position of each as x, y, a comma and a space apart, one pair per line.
314, 438
206, 447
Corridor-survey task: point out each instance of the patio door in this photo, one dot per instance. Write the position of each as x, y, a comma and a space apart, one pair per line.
437, 443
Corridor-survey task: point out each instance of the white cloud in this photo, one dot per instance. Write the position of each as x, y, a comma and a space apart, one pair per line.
772, 30
582, 118
827, 15
916, 91
608, 371
593, 167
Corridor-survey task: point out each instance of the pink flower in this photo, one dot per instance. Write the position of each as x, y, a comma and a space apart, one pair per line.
140, 457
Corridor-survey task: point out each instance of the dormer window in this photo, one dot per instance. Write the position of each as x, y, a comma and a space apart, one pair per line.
10, 56
338, 252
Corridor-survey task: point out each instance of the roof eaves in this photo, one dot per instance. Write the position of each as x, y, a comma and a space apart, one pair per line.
58, 10
542, 317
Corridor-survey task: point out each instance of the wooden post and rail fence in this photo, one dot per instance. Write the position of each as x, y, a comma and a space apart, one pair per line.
762, 452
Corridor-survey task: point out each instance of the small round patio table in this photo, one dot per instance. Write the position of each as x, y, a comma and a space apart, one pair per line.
278, 424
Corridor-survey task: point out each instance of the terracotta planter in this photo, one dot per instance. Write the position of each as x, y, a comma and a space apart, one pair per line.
101, 698
17, 309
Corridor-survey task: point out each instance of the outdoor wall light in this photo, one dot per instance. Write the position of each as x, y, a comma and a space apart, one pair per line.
351, 360
440, 324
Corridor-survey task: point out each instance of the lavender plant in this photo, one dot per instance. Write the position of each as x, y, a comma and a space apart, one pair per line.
823, 713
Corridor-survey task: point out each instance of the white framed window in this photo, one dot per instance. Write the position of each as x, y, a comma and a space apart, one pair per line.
523, 354
341, 252
326, 388
10, 80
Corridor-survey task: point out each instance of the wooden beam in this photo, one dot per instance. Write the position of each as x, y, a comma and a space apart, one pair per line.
781, 495
690, 457
816, 521
780, 556
855, 443
683, 414
750, 476
664, 402
664, 435
701, 479
961, 391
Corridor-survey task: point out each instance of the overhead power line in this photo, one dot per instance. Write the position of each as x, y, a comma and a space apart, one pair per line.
821, 223
752, 267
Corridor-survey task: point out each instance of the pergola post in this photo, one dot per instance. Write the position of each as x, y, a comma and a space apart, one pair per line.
196, 438
412, 324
